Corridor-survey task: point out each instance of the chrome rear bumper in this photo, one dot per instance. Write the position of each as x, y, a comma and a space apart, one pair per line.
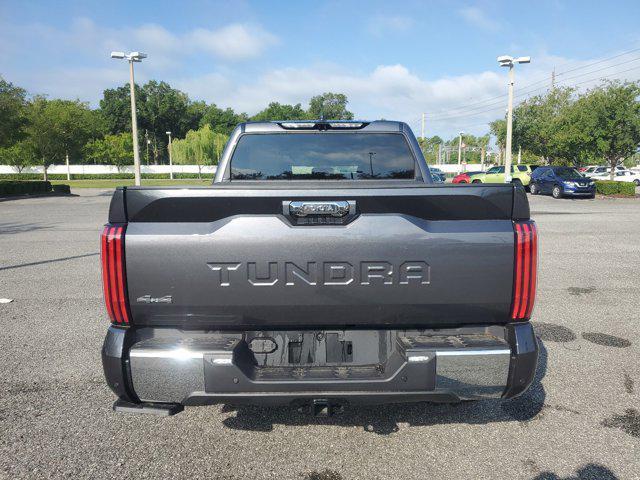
192, 368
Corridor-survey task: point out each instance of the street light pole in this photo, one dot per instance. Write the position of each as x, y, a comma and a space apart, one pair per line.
507, 160
131, 58
170, 161
507, 61
134, 127
460, 152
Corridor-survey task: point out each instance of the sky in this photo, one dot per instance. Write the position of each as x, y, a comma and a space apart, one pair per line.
394, 60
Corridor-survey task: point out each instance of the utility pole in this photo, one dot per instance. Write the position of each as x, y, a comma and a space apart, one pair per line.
553, 78
460, 152
68, 168
131, 58
170, 161
506, 61
371, 154
423, 127
482, 157
519, 154
148, 142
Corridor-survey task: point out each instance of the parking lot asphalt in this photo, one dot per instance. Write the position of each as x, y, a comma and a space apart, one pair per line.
580, 419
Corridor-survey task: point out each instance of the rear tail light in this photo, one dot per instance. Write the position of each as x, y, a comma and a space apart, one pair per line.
525, 270
113, 274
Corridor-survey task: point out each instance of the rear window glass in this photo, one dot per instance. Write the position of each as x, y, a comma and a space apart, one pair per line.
331, 156
568, 173
522, 168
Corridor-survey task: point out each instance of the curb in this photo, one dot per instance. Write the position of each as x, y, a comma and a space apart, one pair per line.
6, 198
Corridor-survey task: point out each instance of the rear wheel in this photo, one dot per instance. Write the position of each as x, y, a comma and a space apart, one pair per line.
534, 189
637, 182
556, 192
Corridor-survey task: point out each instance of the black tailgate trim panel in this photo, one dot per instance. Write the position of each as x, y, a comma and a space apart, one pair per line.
494, 202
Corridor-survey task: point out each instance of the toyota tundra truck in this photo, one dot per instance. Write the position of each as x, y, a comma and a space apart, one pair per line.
323, 268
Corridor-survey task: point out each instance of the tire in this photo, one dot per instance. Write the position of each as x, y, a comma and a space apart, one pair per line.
477, 181
556, 192
637, 182
533, 188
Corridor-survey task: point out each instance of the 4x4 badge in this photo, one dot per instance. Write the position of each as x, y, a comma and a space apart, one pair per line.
150, 299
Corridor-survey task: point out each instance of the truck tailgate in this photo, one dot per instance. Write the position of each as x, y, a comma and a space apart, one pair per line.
231, 256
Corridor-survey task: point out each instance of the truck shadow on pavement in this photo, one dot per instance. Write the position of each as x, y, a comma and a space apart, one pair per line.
386, 419
12, 228
590, 471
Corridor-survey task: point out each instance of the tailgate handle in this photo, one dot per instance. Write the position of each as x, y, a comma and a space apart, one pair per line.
338, 208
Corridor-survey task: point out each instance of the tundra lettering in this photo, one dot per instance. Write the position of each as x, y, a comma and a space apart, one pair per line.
262, 274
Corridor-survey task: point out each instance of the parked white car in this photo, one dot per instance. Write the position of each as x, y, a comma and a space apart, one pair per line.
623, 176
587, 169
594, 171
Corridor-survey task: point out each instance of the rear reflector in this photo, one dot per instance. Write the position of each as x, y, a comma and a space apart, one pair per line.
113, 273
525, 270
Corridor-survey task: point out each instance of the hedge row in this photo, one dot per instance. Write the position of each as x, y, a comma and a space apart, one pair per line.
608, 187
22, 188
104, 176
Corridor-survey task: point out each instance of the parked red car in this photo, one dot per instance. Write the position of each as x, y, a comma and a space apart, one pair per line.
465, 177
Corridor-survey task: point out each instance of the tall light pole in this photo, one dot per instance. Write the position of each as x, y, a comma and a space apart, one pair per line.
507, 61
170, 161
132, 58
460, 152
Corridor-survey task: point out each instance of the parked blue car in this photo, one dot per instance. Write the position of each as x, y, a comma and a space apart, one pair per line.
561, 182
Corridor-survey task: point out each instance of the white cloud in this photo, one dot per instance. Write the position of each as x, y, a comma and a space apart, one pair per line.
380, 25
468, 102
477, 18
77, 66
233, 42
388, 91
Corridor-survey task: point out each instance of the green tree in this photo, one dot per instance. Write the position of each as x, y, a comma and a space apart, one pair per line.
160, 108
329, 106
222, 121
537, 123
201, 147
115, 107
19, 155
429, 147
278, 111
498, 129
110, 150
57, 128
472, 148
164, 109
605, 122
12, 113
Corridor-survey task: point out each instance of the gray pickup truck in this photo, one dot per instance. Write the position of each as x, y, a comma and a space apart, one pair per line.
322, 268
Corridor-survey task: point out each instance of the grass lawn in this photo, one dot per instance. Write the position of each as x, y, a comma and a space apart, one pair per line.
105, 183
